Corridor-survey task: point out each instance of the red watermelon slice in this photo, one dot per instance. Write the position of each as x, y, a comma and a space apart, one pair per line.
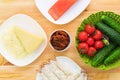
60, 7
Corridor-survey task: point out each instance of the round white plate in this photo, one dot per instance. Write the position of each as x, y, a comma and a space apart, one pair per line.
69, 15
27, 23
70, 64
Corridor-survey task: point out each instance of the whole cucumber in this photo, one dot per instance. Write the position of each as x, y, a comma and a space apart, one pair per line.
115, 54
111, 22
113, 35
101, 55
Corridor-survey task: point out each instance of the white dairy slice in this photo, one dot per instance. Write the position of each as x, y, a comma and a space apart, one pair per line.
11, 43
49, 74
54, 68
68, 66
63, 67
18, 42
29, 41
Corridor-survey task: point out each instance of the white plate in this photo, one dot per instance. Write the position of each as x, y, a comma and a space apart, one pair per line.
70, 14
27, 23
70, 64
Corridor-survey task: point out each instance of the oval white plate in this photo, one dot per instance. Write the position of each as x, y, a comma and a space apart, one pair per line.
70, 64
27, 23
70, 14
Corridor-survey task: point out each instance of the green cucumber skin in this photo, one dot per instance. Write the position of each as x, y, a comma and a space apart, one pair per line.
110, 22
115, 54
101, 55
113, 35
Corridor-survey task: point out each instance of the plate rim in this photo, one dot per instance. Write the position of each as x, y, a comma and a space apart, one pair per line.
64, 22
65, 58
86, 60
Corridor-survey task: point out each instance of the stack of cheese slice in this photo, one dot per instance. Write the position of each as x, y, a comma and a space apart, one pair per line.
56, 70
18, 42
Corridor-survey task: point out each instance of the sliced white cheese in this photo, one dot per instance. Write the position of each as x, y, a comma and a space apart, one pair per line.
29, 41
18, 42
59, 73
62, 69
11, 43
50, 75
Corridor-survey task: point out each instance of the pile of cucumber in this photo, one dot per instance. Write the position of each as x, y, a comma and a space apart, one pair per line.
109, 56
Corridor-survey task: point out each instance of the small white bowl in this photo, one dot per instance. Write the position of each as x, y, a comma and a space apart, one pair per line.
67, 45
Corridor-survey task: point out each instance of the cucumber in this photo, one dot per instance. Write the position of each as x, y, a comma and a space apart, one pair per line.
101, 55
111, 22
113, 35
115, 54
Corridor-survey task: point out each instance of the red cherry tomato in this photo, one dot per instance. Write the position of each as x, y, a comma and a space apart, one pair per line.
83, 48
97, 35
90, 41
90, 29
83, 36
92, 51
99, 44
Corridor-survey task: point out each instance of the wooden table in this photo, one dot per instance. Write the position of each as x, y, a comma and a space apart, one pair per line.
11, 7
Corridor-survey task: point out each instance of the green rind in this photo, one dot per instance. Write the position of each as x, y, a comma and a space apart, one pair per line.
102, 54
110, 22
92, 19
113, 57
113, 35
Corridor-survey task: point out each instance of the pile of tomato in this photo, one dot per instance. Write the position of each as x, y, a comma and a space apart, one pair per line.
90, 40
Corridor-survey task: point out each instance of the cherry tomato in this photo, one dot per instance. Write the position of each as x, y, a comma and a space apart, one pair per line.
90, 29
92, 51
90, 41
99, 44
83, 36
97, 35
83, 48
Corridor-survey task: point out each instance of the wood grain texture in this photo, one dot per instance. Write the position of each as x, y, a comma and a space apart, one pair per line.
12, 7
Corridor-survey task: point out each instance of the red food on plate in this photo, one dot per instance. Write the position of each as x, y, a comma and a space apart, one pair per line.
60, 7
